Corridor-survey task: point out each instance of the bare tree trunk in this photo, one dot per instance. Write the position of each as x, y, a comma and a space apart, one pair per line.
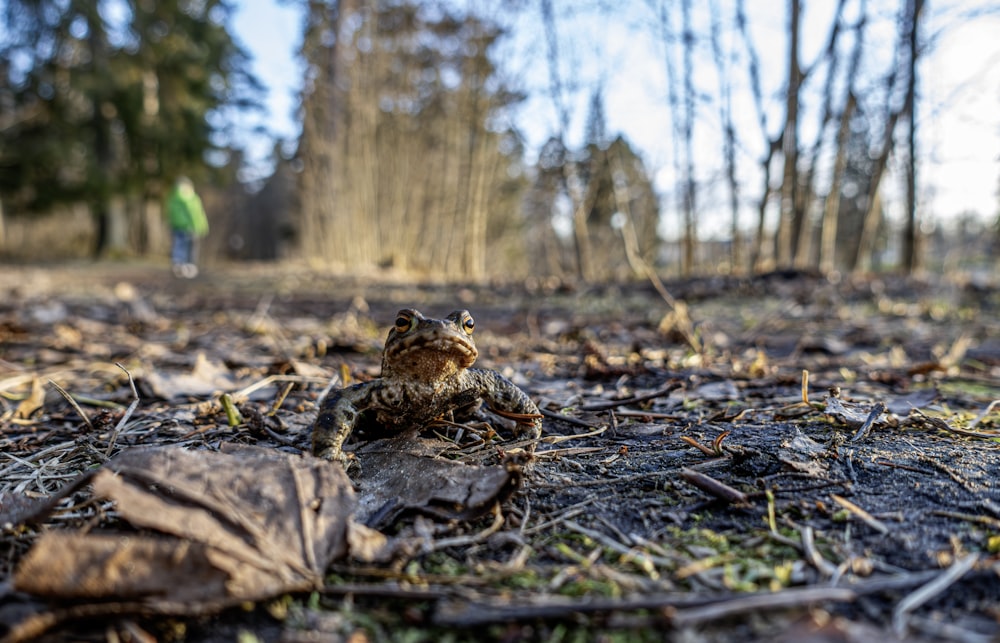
866, 243
911, 257
874, 213
831, 210
729, 140
322, 123
758, 260
666, 36
574, 186
805, 202
789, 141
690, 191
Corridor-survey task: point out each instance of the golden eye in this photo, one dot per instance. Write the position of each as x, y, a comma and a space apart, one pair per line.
404, 322
468, 323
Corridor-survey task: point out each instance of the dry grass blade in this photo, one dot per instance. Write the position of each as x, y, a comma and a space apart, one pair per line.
982, 416
865, 517
558, 439
128, 412
925, 593
644, 561
812, 554
73, 403
941, 424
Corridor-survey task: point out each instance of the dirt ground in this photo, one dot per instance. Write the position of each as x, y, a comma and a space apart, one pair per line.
782, 457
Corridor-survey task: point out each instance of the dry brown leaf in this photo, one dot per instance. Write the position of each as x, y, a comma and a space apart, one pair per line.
253, 523
395, 480
31, 404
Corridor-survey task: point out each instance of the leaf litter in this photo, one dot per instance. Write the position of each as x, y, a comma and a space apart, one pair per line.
673, 488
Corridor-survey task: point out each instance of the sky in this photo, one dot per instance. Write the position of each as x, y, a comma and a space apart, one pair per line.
959, 116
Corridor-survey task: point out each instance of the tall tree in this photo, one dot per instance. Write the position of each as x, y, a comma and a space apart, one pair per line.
723, 68
785, 239
911, 256
120, 97
581, 235
690, 187
403, 161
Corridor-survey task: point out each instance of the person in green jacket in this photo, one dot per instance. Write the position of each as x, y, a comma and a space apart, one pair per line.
188, 224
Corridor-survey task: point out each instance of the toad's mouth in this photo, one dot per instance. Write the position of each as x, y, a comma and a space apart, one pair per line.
435, 350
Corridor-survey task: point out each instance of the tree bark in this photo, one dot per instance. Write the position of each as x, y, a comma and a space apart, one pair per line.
789, 143
574, 186
911, 256
690, 189
729, 141
831, 210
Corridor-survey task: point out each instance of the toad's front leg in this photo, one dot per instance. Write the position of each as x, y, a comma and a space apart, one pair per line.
504, 398
338, 415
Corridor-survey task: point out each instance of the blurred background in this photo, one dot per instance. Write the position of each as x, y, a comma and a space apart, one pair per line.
476, 140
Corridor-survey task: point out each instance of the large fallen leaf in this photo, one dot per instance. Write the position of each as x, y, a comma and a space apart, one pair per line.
219, 529
236, 527
396, 477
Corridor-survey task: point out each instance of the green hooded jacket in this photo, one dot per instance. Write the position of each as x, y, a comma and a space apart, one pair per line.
185, 212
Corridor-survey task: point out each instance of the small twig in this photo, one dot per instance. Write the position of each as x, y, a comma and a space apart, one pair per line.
698, 445
714, 487
282, 395
646, 414
600, 482
567, 513
646, 562
822, 565
244, 393
557, 439
865, 517
73, 403
471, 539
759, 602
938, 423
989, 521
928, 591
874, 415
982, 416
611, 404
128, 412
562, 417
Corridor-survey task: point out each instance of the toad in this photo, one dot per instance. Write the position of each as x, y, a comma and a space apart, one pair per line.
426, 375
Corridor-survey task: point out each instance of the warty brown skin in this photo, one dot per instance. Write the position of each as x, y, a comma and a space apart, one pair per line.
426, 374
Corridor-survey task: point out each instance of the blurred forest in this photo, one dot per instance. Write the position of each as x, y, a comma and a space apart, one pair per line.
410, 156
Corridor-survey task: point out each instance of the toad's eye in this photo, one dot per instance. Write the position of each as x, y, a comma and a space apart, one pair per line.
404, 323
468, 323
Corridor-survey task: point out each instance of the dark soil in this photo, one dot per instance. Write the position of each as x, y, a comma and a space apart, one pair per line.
687, 490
